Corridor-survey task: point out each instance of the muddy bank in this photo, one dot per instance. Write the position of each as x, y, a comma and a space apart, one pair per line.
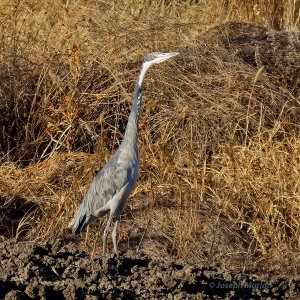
59, 270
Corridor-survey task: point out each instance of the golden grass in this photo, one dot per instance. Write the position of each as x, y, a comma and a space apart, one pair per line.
218, 137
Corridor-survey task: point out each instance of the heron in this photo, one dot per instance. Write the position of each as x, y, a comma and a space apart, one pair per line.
113, 184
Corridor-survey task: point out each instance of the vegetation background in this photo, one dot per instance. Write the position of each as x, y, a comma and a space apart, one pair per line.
219, 132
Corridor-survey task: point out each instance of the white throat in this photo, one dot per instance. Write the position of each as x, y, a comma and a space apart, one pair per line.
145, 67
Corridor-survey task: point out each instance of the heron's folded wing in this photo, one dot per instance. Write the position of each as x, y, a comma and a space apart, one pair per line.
105, 185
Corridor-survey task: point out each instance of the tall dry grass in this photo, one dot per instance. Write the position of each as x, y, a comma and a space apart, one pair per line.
218, 136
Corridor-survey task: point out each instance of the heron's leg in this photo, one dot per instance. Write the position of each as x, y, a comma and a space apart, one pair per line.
106, 232
114, 233
86, 235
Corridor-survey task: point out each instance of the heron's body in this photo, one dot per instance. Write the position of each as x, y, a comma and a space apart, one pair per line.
112, 186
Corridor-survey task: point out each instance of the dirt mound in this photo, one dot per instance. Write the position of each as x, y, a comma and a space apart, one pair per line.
277, 51
58, 269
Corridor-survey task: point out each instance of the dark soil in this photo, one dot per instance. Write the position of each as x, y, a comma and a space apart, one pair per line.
58, 270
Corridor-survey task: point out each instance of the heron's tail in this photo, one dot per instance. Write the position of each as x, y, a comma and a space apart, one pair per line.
79, 226
81, 220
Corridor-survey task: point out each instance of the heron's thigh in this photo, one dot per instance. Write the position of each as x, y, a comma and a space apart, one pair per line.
102, 211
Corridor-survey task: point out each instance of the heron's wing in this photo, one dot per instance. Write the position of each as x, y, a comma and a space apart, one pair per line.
105, 185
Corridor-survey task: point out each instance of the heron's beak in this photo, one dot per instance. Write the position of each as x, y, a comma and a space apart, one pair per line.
167, 55
171, 54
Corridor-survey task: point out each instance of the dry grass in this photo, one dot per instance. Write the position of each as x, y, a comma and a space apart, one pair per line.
219, 137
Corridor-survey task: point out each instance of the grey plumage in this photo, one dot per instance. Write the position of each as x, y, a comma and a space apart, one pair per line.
112, 186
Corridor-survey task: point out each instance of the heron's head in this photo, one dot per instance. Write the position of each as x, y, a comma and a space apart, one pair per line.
158, 57
151, 59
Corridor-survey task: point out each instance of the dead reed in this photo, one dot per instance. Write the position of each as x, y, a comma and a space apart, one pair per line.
219, 136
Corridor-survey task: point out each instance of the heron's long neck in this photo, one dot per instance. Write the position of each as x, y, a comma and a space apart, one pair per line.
131, 133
